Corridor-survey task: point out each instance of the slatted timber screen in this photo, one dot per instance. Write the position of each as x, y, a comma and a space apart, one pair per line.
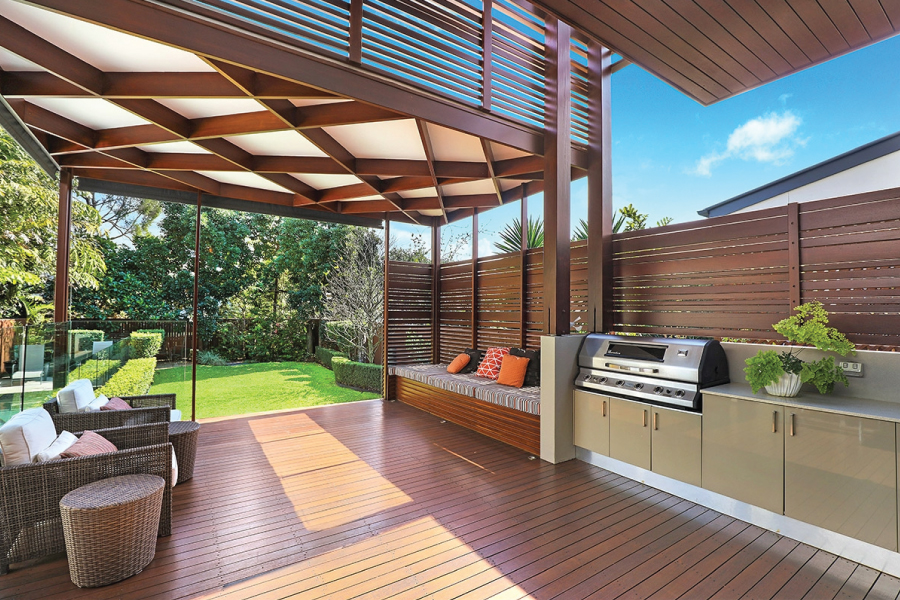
409, 313
321, 25
456, 304
499, 292
517, 56
850, 261
437, 45
535, 321
580, 88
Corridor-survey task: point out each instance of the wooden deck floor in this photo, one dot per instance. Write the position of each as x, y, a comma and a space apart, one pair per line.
380, 500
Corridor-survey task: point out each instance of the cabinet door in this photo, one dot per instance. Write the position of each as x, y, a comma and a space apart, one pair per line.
629, 432
592, 422
675, 444
743, 451
840, 473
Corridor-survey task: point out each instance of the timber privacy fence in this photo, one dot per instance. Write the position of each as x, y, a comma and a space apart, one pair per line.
731, 276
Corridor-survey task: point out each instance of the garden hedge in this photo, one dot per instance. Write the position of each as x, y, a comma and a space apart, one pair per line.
325, 355
85, 339
133, 379
95, 370
145, 345
364, 376
161, 332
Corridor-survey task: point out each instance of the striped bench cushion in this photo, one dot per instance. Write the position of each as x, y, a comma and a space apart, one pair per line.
522, 399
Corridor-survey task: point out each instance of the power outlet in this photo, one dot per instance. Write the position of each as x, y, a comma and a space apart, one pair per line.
852, 369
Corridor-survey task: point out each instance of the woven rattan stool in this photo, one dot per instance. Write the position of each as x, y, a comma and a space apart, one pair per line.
110, 527
183, 436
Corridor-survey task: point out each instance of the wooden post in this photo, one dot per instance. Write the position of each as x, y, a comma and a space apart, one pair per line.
356, 19
600, 211
195, 343
487, 43
557, 177
474, 302
436, 293
63, 247
384, 321
523, 265
793, 222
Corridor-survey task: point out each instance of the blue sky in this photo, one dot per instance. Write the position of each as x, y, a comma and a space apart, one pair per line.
673, 156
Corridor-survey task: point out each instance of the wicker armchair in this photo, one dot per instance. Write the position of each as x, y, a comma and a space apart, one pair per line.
146, 401
30, 522
153, 408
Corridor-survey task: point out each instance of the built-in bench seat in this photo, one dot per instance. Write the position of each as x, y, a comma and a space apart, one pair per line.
511, 415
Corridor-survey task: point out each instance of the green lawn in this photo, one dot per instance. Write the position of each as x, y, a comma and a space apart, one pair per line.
257, 387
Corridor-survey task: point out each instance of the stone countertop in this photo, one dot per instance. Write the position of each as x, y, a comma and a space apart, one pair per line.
843, 405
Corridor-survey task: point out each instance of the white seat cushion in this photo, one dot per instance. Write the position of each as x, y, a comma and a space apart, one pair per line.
76, 396
99, 402
26, 434
174, 469
62, 443
174, 415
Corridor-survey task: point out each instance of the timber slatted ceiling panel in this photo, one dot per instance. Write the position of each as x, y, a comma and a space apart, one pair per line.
724, 277
320, 25
437, 45
582, 322
499, 293
409, 313
850, 253
535, 314
517, 55
455, 308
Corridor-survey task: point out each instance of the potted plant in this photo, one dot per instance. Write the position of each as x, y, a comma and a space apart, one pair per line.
783, 373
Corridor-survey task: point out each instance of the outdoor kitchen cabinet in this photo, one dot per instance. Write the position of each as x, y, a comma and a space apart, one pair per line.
629, 432
743, 450
675, 444
840, 474
591, 427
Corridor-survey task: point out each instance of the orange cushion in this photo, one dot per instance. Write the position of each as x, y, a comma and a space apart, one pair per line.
512, 370
490, 364
458, 363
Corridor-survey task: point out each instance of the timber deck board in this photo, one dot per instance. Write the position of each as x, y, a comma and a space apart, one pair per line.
382, 500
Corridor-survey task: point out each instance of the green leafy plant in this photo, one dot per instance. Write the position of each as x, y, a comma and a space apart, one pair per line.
363, 376
210, 358
133, 379
145, 345
511, 237
807, 327
325, 356
98, 371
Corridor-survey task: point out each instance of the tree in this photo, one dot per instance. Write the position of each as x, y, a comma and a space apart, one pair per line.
124, 217
355, 294
628, 216
29, 207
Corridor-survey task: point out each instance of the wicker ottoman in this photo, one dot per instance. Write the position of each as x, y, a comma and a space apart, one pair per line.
183, 436
110, 528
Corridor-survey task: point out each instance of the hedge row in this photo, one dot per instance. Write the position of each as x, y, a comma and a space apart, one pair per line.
95, 370
161, 332
145, 345
364, 376
85, 339
133, 379
325, 356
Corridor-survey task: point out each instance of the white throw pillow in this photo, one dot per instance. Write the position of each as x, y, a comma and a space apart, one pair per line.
76, 396
59, 445
99, 402
26, 434
174, 469
174, 415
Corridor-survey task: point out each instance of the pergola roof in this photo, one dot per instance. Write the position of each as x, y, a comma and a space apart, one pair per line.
119, 108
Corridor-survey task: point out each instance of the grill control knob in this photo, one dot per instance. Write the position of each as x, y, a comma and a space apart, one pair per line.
657, 390
620, 383
679, 394
602, 380
639, 386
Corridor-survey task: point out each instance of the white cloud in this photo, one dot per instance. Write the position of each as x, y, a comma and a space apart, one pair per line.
769, 138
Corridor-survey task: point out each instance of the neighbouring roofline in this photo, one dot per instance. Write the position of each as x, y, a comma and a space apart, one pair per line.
99, 186
853, 158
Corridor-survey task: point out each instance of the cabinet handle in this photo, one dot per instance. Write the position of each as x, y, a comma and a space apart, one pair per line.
656, 421
774, 421
792, 424
645, 418
603, 409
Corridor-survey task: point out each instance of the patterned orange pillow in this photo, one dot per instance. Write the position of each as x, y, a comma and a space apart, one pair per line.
89, 443
458, 363
490, 365
512, 370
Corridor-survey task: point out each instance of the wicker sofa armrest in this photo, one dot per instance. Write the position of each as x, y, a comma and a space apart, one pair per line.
30, 495
52, 407
136, 436
167, 400
104, 419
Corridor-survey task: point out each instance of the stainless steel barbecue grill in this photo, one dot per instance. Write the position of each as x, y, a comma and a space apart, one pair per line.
665, 371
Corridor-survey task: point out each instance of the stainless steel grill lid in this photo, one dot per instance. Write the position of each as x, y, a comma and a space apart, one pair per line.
660, 370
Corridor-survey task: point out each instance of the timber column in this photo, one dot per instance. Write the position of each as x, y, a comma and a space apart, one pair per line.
63, 247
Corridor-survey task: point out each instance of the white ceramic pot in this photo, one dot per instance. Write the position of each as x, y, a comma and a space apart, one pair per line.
788, 386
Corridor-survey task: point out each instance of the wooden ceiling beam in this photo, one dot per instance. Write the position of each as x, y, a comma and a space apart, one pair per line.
347, 192
471, 201
425, 138
405, 184
342, 113
489, 158
297, 164
460, 169
158, 114
433, 203
392, 167
366, 206
49, 122
518, 166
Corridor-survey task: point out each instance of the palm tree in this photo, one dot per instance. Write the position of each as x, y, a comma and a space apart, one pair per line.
511, 237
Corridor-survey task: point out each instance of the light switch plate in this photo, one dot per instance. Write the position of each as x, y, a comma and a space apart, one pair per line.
851, 369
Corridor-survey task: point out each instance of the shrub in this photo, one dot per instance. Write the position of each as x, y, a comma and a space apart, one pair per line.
364, 376
145, 345
325, 356
161, 332
210, 358
83, 339
98, 371
133, 379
